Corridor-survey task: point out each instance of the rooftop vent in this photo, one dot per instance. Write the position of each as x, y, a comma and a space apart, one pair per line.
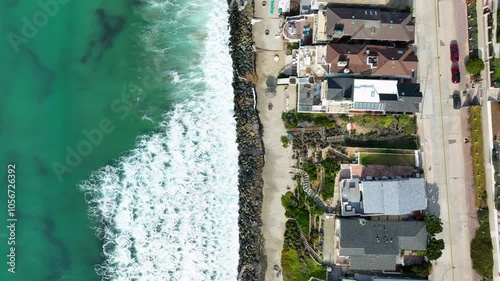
342, 63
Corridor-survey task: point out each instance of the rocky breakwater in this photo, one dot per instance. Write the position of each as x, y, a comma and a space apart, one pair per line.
249, 137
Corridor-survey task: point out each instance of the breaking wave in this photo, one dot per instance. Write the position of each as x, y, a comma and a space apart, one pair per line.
168, 209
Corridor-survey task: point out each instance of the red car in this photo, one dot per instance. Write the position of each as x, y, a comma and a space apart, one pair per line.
455, 75
454, 52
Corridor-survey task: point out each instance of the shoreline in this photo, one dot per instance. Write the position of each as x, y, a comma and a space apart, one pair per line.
252, 261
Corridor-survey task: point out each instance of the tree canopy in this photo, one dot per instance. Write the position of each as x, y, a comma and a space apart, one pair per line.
422, 270
433, 224
474, 66
435, 248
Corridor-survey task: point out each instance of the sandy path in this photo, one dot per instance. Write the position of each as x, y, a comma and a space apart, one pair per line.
275, 174
276, 170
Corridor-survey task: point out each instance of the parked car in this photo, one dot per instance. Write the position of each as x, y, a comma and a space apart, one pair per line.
457, 101
454, 53
455, 75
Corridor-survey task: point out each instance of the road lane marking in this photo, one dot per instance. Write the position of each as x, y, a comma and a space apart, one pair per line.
443, 141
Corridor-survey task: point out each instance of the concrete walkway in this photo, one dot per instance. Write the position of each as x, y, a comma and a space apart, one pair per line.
329, 236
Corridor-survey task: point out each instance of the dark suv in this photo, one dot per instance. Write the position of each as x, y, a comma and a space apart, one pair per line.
457, 101
455, 75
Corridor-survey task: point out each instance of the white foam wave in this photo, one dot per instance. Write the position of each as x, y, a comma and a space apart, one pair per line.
175, 76
168, 210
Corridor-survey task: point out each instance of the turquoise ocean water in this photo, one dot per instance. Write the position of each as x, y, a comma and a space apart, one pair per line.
118, 117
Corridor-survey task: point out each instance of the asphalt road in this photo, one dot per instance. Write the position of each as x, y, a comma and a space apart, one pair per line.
441, 130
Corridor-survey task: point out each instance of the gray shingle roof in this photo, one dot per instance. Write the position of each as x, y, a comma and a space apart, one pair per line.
340, 88
394, 197
371, 246
375, 236
409, 101
373, 262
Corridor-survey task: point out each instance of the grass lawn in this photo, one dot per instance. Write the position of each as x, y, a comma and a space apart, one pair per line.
295, 260
386, 159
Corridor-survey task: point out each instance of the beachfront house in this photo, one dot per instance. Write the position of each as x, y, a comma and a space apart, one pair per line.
346, 95
396, 197
361, 24
371, 60
355, 60
371, 245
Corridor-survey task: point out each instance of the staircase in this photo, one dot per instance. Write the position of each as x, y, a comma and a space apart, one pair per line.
306, 185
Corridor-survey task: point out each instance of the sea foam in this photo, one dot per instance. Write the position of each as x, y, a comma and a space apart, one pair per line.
168, 210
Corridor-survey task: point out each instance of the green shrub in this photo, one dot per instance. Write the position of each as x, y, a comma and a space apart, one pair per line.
386, 121
406, 122
313, 208
290, 47
433, 224
285, 141
474, 66
331, 167
296, 209
477, 154
344, 117
289, 119
311, 170
295, 260
481, 249
422, 270
323, 120
435, 248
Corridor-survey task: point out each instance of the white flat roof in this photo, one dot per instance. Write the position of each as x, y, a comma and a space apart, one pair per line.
368, 90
